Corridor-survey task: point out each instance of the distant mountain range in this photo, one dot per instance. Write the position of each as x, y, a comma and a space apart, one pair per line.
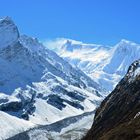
105, 64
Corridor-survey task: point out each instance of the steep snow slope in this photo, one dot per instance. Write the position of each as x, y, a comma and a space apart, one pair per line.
67, 129
105, 64
124, 54
38, 85
10, 125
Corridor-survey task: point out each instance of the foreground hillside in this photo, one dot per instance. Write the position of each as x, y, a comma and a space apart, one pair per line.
118, 116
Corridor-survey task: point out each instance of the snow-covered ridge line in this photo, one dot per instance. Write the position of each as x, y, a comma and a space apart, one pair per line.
54, 127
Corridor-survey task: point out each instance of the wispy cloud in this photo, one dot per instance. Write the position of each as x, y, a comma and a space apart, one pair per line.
54, 44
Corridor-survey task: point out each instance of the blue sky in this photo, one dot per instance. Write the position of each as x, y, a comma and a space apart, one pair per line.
90, 21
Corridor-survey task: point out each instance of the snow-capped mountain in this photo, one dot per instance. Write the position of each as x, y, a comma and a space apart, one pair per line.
38, 85
106, 64
124, 54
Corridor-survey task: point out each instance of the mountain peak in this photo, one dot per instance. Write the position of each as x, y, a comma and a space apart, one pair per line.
9, 33
7, 18
125, 46
124, 54
125, 42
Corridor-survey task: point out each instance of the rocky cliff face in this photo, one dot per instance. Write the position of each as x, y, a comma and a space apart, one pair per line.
118, 116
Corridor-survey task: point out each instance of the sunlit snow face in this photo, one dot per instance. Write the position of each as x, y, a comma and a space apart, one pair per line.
8, 32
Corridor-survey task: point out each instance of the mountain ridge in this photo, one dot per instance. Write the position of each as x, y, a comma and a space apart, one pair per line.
117, 118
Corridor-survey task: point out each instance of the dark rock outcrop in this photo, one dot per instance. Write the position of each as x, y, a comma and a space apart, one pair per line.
118, 116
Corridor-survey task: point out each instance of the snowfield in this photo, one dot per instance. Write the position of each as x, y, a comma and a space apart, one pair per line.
66, 129
10, 125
